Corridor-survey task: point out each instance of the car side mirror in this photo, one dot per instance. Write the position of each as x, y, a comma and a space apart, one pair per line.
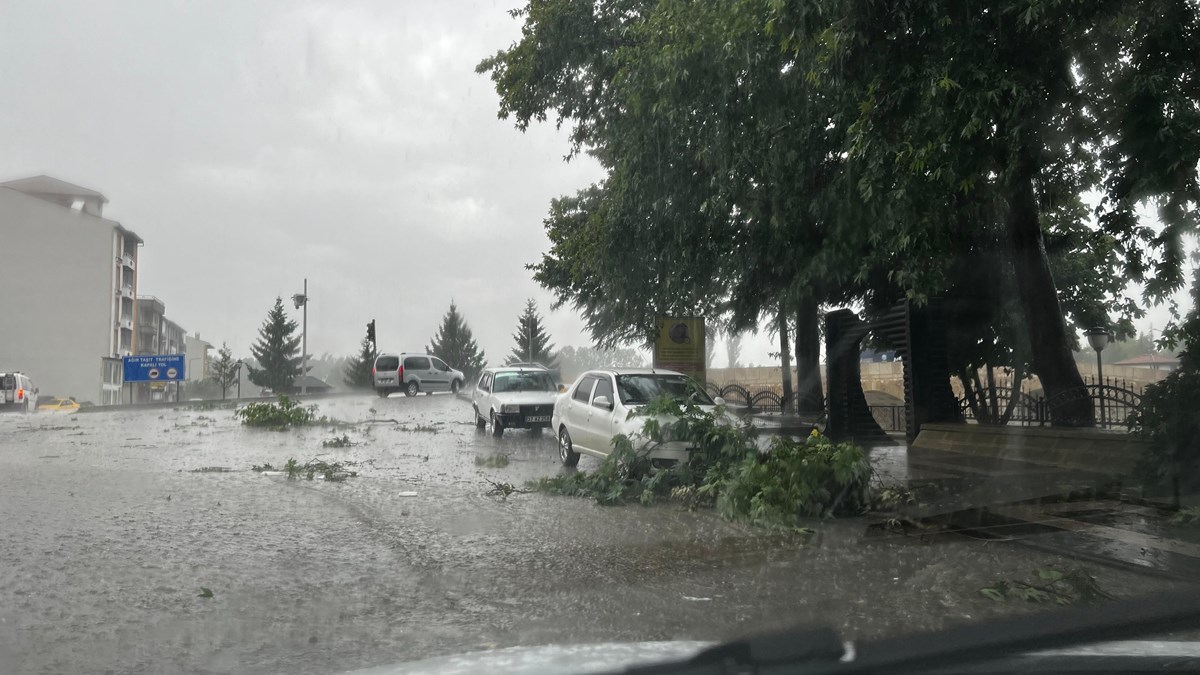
602, 402
719, 401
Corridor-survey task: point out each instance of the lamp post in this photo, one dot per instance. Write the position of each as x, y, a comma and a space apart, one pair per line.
1099, 338
301, 300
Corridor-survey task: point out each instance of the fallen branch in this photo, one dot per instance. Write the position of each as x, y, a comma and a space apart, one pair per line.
503, 490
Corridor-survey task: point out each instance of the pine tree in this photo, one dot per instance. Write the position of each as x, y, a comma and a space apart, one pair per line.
454, 344
533, 343
358, 370
225, 369
276, 351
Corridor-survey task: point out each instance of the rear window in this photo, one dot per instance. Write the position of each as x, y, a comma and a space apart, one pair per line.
387, 363
8, 382
416, 363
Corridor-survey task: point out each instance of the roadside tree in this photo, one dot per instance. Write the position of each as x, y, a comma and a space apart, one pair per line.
454, 344
357, 374
277, 351
225, 370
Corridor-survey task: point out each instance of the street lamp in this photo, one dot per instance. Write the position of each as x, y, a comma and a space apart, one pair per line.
1099, 338
301, 300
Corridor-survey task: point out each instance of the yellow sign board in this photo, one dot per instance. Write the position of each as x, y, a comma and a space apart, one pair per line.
680, 346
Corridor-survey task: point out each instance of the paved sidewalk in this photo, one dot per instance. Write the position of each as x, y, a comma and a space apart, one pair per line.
1075, 512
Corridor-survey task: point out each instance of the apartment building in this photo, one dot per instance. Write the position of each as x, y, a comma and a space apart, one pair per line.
69, 311
156, 334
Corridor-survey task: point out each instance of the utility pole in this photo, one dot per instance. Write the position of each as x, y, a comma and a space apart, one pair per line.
529, 332
301, 300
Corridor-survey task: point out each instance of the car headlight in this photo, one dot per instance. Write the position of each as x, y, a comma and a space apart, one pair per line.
510, 408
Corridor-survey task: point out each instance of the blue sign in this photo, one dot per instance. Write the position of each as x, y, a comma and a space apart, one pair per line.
156, 368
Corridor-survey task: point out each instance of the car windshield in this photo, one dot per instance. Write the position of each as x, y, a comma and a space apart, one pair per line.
523, 381
641, 389
327, 326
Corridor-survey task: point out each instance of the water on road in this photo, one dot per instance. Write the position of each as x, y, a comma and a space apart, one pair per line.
113, 522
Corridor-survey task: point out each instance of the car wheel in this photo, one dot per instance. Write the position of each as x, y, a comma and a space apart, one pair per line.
455, 386
497, 425
412, 388
566, 451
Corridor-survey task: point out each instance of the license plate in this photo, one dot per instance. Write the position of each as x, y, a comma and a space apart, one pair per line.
540, 418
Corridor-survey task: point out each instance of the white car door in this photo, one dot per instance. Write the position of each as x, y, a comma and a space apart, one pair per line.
482, 391
600, 425
575, 412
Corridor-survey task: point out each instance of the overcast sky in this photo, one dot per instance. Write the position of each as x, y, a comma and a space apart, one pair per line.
252, 144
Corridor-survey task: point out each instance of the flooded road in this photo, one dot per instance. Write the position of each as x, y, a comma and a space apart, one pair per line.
113, 522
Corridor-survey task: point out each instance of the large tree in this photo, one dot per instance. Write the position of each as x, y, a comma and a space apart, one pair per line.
277, 351
532, 342
357, 374
766, 158
969, 117
454, 344
225, 369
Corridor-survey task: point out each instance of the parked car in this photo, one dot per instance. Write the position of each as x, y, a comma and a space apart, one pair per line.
18, 392
596, 408
57, 403
514, 397
413, 374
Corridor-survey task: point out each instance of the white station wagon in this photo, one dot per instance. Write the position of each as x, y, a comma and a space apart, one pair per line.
514, 398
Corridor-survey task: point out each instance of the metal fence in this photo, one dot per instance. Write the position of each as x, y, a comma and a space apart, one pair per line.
1113, 400
755, 398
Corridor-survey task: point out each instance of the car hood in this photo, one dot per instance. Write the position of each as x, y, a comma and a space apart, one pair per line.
527, 397
547, 659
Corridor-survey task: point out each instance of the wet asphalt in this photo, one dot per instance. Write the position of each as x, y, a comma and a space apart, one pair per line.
111, 523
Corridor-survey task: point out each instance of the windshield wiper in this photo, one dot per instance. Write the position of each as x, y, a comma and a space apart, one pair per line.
968, 648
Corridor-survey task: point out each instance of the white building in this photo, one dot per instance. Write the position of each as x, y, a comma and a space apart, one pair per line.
71, 283
197, 358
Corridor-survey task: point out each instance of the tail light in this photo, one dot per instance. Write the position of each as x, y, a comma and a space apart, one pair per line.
400, 374
20, 394
372, 371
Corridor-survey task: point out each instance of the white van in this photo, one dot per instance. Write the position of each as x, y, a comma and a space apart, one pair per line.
17, 393
413, 374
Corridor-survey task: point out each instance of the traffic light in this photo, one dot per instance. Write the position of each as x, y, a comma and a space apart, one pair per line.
371, 331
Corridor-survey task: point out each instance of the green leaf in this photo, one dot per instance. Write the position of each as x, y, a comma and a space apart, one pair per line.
205, 592
1050, 575
992, 593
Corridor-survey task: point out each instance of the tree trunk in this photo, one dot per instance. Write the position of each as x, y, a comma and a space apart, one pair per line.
1050, 349
809, 396
785, 358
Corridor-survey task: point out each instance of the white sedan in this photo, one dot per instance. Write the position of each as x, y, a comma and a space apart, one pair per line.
514, 398
596, 408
